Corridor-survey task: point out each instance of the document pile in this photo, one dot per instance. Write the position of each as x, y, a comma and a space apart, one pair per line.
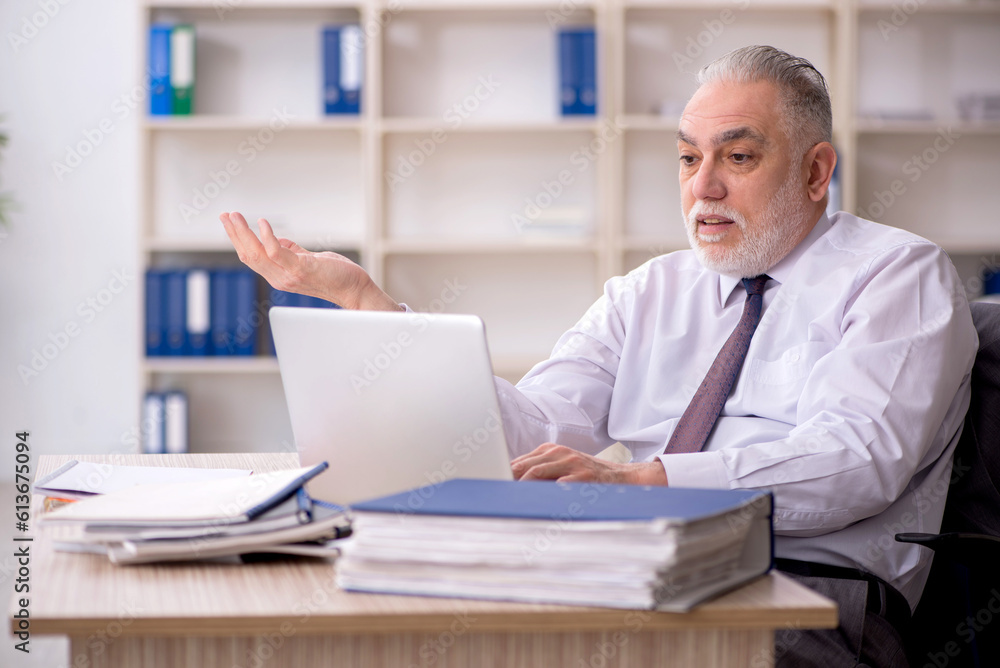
577, 544
200, 519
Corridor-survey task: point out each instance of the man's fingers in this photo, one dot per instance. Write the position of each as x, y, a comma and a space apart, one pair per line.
246, 243
268, 240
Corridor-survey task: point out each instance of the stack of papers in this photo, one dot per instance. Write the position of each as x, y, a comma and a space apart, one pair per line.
201, 519
579, 544
77, 480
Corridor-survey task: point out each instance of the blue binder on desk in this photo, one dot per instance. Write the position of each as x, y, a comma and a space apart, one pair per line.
627, 546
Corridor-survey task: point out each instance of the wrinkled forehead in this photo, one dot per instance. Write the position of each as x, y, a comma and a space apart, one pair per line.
721, 112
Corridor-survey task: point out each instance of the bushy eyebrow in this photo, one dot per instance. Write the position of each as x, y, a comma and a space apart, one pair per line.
731, 135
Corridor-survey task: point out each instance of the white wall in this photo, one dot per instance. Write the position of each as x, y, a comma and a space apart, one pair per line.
73, 237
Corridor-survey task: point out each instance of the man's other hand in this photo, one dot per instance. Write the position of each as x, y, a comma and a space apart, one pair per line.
557, 462
287, 266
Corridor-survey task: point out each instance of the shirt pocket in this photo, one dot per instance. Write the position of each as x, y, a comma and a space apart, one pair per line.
793, 365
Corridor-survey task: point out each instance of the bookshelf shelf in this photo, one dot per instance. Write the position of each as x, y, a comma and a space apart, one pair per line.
452, 213
212, 365
484, 5
214, 122
930, 6
929, 127
429, 125
527, 244
719, 5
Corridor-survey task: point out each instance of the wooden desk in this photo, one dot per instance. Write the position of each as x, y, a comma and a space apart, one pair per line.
291, 614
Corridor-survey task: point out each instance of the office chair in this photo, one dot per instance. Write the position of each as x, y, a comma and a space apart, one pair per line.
957, 622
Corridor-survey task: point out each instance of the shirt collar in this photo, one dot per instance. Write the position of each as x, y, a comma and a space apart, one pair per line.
780, 272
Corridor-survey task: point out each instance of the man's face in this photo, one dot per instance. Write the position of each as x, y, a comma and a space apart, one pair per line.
743, 194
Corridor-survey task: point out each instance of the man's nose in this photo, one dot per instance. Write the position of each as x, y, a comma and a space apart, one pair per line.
708, 182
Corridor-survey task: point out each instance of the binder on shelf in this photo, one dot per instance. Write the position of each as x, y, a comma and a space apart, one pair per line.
343, 69
175, 312
198, 312
160, 94
587, 42
156, 340
567, 74
222, 321
246, 318
182, 55
175, 422
153, 424
164, 422
626, 546
577, 71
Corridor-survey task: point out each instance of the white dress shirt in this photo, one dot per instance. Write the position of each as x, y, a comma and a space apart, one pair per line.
848, 406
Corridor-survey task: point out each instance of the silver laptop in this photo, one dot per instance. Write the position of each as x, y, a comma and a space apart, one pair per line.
393, 401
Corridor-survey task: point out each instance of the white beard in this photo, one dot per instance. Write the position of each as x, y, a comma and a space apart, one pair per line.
771, 239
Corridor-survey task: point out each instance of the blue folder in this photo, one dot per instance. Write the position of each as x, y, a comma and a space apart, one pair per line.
580, 501
175, 312
160, 93
156, 339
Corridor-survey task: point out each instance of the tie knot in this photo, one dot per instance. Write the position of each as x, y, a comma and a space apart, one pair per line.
755, 285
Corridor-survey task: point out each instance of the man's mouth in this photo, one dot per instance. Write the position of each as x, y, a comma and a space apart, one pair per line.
712, 222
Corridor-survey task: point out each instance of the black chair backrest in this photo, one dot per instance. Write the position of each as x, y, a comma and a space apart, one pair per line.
974, 497
964, 582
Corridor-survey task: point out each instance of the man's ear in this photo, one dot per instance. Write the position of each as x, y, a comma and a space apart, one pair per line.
820, 161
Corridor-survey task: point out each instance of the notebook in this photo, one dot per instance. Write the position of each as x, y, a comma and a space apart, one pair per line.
393, 401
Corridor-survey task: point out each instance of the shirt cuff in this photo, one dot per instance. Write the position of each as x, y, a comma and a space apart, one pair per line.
704, 470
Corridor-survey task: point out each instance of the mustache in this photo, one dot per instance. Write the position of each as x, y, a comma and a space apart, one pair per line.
704, 209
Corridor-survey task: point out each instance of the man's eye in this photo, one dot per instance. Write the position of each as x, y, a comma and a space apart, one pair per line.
740, 158
687, 160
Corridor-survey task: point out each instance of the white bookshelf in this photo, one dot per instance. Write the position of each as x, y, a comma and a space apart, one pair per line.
452, 221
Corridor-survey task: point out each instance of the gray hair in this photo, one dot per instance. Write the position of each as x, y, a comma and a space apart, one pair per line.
807, 117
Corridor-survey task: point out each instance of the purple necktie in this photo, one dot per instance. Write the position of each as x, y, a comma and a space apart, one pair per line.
699, 417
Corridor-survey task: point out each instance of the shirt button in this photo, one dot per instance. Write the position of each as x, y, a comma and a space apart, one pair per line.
793, 358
